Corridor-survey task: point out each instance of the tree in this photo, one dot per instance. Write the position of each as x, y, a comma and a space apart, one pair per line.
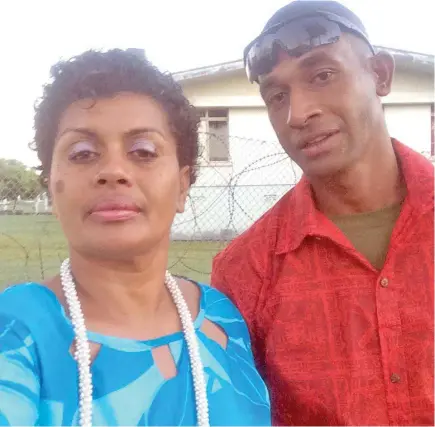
18, 181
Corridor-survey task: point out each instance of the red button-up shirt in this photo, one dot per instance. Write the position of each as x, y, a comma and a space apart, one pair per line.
339, 342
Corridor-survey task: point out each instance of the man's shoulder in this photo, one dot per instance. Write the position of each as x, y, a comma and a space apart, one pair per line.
414, 162
418, 172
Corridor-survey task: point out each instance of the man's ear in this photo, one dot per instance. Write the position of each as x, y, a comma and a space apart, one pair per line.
382, 65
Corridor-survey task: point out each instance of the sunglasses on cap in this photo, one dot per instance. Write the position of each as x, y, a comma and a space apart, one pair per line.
295, 37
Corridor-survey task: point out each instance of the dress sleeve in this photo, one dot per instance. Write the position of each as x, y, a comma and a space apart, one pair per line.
19, 374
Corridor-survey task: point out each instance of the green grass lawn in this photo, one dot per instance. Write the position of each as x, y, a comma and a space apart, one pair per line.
32, 247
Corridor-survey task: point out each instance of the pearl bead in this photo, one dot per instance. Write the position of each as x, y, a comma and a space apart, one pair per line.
82, 352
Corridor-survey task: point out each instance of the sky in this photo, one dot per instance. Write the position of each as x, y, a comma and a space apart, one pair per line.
176, 35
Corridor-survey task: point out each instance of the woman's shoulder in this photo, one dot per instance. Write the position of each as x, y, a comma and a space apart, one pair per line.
28, 293
217, 302
219, 309
30, 303
18, 304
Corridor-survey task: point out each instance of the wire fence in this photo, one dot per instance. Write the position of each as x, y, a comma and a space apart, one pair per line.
239, 179
238, 182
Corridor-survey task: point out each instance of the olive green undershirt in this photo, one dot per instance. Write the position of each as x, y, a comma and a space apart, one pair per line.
370, 232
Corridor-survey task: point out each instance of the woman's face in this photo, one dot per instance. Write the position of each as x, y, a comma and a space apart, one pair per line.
115, 180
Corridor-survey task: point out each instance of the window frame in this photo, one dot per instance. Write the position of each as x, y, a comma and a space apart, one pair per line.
204, 129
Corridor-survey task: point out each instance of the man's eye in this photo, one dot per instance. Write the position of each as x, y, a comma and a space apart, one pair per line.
323, 77
276, 99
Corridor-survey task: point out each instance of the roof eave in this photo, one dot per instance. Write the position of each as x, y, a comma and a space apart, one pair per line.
420, 60
208, 71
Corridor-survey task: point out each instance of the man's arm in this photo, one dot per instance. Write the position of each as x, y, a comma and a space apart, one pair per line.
238, 272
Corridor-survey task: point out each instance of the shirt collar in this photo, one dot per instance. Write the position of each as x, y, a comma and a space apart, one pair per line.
418, 173
300, 218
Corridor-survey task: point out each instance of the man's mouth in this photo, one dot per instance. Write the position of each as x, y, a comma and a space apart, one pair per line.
318, 144
318, 138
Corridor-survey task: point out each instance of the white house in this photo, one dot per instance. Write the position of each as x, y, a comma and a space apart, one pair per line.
243, 170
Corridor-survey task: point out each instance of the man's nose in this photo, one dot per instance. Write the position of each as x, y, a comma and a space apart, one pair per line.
301, 110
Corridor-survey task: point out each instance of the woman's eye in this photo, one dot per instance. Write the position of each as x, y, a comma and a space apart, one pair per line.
143, 150
82, 152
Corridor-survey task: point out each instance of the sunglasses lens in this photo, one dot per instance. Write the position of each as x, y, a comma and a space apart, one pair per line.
295, 38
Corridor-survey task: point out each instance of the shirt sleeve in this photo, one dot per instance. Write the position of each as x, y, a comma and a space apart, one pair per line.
19, 376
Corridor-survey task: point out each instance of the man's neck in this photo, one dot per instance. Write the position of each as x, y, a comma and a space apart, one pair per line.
368, 186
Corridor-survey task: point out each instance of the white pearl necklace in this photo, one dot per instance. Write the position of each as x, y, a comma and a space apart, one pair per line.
83, 351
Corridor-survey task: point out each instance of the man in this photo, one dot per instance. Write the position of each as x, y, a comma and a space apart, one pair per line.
336, 280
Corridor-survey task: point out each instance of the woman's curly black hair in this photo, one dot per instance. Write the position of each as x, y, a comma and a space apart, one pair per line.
95, 74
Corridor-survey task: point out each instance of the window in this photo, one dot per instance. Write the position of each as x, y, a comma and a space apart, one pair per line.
214, 130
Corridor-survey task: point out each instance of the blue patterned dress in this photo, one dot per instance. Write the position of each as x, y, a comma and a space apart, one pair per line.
38, 375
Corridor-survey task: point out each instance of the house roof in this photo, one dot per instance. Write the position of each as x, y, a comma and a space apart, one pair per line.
414, 60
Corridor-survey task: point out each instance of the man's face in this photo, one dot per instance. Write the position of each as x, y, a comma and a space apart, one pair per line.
324, 105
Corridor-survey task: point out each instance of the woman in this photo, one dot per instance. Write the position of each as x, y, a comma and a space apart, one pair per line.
111, 340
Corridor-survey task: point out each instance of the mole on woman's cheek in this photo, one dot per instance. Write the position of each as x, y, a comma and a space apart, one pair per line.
59, 186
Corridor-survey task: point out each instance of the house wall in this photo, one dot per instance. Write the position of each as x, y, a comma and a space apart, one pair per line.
257, 157
411, 124
234, 90
229, 197
407, 107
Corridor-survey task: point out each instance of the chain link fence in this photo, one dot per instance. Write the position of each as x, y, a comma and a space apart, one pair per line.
239, 180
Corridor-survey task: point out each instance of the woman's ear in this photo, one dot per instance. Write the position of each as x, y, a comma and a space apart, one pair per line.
184, 188
48, 184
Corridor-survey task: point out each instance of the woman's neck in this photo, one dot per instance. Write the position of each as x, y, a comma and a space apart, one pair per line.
123, 291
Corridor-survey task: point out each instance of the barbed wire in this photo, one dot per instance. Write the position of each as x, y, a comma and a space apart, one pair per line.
229, 196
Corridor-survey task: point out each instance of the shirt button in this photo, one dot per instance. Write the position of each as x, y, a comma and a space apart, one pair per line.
384, 282
395, 378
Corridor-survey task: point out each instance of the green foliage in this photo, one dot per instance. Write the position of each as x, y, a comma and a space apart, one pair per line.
16, 179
